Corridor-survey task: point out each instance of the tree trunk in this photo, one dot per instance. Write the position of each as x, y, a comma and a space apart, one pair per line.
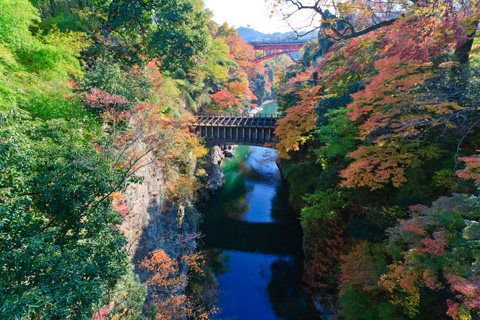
462, 53
53, 8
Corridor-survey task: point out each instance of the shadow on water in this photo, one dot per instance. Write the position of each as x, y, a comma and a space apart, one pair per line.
254, 242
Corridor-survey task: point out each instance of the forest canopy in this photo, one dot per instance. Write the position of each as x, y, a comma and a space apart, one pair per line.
383, 117
91, 92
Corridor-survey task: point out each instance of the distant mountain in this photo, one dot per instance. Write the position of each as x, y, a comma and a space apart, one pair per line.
250, 34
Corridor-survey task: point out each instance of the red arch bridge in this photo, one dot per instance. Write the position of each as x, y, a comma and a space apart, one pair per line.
273, 48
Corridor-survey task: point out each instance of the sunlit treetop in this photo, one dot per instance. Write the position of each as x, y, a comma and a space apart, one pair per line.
342, 19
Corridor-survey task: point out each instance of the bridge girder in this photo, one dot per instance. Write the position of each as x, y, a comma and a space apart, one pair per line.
284, 47
236, 129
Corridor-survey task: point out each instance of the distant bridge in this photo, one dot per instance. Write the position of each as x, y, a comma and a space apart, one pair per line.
231, 129
272, 48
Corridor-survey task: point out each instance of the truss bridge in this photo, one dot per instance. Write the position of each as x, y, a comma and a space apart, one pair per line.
231, 129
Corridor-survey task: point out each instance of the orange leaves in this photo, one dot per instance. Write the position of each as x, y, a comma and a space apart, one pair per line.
240, 49
183, 188
395, 104
252, 96
389, 100
419, 38
404, 279
237, 88
168, 280
325, 252
102, 313
162, 267
377, 165
437, 245
168, 283
224, 99
374, 167
472, 168
362, 267
100, 99
301, 77
232, 97
293, 129
468, 290
178, 140
433, 249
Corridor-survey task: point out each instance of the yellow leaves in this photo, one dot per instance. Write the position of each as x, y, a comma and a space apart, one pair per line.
6, 56
448, 64
199, 151
401, 280
116, 196
447, 107
346, 9
183, 188
475, 52
427, 64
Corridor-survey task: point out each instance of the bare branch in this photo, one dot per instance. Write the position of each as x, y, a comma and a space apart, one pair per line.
337, 34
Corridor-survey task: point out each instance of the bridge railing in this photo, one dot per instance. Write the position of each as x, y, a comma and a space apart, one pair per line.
285, 41
275, 115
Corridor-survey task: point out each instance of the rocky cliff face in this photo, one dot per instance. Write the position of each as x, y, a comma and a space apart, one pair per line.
214, 175
145, 202
153, 221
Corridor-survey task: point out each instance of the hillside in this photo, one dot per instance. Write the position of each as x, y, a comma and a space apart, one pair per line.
250, 34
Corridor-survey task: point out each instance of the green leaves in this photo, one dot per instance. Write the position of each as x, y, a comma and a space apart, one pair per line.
337, 135
60, 248
16, 18
322, 205
436, 249
180, 35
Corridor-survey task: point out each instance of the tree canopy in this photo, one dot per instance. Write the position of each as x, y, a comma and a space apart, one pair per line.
384, 123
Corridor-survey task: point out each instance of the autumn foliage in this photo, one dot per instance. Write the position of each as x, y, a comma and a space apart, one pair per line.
168, 279
435, 249
111, 107
224, 99
248, 83
383, 125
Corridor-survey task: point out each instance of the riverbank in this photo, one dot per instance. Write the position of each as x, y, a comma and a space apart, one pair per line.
263, 108
268, 102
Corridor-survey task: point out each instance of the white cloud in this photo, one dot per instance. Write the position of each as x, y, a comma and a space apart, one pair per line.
241, 13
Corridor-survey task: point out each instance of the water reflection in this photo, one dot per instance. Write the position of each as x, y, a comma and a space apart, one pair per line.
254, 242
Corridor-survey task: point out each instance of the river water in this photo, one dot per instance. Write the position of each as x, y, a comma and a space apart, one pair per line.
254, 242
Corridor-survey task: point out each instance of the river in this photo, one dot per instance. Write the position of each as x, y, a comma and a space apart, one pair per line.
255, 241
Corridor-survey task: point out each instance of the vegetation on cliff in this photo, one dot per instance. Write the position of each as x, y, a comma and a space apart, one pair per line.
87, 90
385, 125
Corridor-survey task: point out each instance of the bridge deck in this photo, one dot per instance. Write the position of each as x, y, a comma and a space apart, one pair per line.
236, 129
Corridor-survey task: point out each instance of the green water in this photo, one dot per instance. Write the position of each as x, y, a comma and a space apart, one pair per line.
271, 107
256, 242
